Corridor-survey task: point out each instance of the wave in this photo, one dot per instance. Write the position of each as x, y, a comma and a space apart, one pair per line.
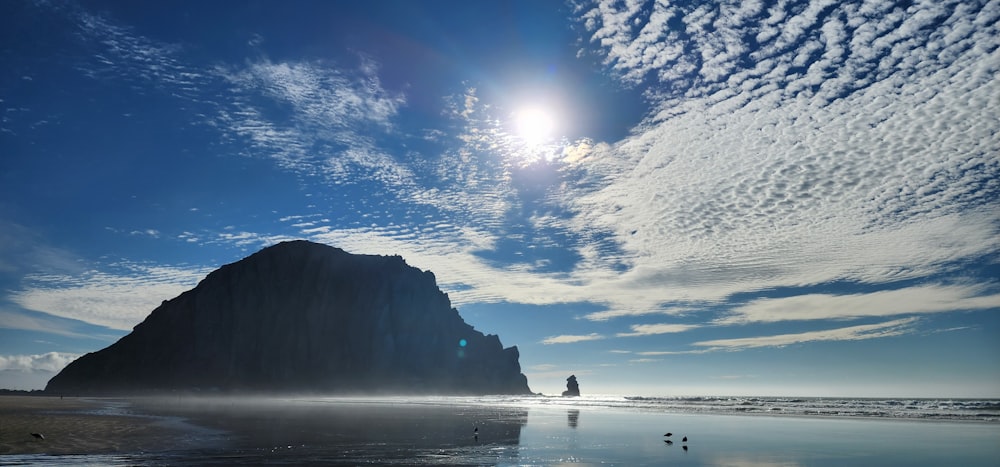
981, 410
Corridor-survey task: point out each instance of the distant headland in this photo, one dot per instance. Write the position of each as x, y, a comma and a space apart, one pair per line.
303, 317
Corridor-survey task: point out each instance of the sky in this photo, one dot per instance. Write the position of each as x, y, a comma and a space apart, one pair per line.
662, 198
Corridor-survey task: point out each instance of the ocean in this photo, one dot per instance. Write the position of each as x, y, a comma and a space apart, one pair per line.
982, 410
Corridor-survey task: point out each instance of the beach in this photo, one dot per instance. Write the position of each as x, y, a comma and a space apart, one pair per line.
79, 426
460, 431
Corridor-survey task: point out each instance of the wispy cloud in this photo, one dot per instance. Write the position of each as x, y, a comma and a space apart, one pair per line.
853, 333
569, 339
24, 251
654, 329
333, 110
620, 313
910, 300
16, 320
118, 300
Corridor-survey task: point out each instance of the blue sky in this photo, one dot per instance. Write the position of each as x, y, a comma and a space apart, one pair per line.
774, 198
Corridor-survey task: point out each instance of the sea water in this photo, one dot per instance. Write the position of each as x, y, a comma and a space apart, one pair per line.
590, 430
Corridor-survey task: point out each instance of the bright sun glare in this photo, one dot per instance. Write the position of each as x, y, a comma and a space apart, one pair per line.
534, 125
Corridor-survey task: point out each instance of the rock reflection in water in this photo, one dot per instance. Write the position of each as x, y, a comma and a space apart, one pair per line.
572, 417
346, 430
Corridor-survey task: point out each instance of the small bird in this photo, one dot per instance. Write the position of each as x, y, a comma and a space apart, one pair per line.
668, 434
685, 439
38, 435
475, 429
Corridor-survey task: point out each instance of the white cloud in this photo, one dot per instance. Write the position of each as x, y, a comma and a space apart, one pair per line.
853, 333
333, 112
654, 329
920, 299
115, 300
619, 313
570, 339
863, 166
47, 362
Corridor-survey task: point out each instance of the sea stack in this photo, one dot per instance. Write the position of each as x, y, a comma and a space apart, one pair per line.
572, 388
303, 317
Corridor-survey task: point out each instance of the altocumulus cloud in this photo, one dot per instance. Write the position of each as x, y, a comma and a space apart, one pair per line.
847, 145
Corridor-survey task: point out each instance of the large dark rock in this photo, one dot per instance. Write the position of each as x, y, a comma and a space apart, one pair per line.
304, 317
572, 387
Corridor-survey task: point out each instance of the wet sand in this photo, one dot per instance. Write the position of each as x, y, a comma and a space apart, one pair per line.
77, 426
344, 431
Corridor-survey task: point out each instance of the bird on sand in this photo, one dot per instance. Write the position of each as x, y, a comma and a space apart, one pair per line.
38, 435
685, 439
669, 434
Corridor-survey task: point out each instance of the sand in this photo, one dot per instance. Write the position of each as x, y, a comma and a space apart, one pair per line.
76, 426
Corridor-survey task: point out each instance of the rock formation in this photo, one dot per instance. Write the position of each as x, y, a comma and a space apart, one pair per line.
572, 388
303, 317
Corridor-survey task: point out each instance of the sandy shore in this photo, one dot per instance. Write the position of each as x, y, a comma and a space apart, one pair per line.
75, 426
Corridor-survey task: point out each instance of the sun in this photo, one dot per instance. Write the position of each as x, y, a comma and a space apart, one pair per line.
534, 125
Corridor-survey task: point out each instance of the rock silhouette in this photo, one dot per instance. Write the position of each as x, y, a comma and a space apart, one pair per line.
572, 388
304, 317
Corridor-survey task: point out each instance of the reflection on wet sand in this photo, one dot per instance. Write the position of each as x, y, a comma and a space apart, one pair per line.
572, 417
346, 430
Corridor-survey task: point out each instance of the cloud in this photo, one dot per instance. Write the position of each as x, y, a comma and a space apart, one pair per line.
47, 362
655, 353
132, 57
570, 339
848, 148
787, 145
23, 250
910, 300
24, 322
117, 300
609, 314
333, 110
654, 329
853, 333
